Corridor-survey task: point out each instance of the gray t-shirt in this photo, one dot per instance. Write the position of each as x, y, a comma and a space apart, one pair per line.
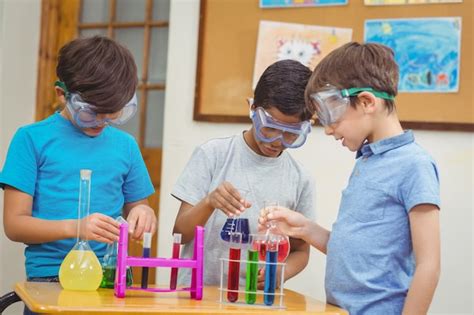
230, 159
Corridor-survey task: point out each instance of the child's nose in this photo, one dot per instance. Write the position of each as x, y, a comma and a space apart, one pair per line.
277, 143
101, 123
328, 130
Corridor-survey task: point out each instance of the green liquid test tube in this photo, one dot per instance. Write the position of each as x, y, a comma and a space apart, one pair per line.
251, 277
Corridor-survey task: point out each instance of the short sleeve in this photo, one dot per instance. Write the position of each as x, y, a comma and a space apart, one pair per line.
306, 203
421, 186
137, 184
194, 182
21, 164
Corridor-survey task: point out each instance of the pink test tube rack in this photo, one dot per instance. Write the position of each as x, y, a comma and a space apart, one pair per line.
124, 261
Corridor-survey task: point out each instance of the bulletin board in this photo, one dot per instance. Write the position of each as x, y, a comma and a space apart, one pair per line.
227, 46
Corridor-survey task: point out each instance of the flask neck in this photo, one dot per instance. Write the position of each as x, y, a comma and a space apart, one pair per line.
83, 207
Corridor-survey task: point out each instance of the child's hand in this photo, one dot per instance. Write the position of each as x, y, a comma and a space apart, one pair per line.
141, 218
289, 222
99, 227
261, 278
228, 199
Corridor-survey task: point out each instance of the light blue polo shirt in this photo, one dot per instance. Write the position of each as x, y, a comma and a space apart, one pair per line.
44, 160
370, 262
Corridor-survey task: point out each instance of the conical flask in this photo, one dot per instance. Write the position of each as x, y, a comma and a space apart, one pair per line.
273, 235
109, 264
80, 269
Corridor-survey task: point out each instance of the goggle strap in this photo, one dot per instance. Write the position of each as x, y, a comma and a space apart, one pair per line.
355, 91
62, 85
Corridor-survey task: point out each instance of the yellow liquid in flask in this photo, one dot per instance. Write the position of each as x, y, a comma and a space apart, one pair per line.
81, 271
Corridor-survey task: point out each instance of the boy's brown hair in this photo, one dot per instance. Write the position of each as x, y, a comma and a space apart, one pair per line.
356, 65
100, 70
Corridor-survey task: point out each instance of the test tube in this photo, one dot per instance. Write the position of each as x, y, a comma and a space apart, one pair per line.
174, 271
234, 267
251, 279
270, 270
146, 254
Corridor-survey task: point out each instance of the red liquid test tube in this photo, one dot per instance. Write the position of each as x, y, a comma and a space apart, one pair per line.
233, 276
174, 271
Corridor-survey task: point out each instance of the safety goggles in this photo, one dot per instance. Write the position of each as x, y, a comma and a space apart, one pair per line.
332, 103
85, 115
268, 129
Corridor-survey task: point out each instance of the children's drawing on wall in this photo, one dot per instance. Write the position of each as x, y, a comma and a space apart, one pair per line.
299, 3
307, 44
427, 51
394, 2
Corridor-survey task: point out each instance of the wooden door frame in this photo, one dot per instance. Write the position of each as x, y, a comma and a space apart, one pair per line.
59, 20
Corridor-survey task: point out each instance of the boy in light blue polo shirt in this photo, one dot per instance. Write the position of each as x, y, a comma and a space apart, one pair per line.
383, 253
41, 171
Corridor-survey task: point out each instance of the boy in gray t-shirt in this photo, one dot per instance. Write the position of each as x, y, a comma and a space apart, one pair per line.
256, 161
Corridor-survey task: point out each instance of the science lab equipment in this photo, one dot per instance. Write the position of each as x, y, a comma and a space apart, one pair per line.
175, 254
276, 235
146, 254
251, 279
233, 275
270, 269
257, 298
196, 264
237, 223
109, 264
232, 267
80, 269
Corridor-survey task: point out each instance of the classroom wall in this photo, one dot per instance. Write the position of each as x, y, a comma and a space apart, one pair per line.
19, 42
330, 164
19, 38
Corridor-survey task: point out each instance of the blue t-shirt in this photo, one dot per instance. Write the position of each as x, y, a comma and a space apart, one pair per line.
44, 160
370, 261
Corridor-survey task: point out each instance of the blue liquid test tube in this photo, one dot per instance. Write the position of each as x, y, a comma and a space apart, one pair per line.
146, 254
271, 258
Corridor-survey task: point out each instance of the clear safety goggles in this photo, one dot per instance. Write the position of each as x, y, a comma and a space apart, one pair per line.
332, 103
268, 129
85, 116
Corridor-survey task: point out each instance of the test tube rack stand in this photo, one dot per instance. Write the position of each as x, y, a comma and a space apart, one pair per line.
196, 263
223, 290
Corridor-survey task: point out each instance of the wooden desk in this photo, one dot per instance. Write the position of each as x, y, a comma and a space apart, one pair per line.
49, 298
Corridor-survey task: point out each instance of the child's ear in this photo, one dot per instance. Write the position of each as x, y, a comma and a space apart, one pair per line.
250, 103
368, 102
60, 94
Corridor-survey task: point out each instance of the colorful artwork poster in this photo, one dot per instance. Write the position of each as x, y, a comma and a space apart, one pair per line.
307, 44
427, 51
299, 3
395, 2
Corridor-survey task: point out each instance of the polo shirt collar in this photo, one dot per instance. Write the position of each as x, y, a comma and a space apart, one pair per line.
385, 145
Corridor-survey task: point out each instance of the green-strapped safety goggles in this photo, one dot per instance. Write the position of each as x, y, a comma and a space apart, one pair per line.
331, 102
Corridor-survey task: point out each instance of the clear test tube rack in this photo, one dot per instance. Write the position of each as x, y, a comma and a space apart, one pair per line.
196, 263
241, 301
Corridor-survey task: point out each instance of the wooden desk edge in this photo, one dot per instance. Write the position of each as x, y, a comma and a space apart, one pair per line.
20, 289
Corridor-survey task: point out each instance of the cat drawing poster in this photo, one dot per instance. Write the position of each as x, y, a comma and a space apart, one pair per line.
307, 44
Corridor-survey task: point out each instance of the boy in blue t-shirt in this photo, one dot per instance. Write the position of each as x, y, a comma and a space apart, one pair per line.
98, 79
383, 253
